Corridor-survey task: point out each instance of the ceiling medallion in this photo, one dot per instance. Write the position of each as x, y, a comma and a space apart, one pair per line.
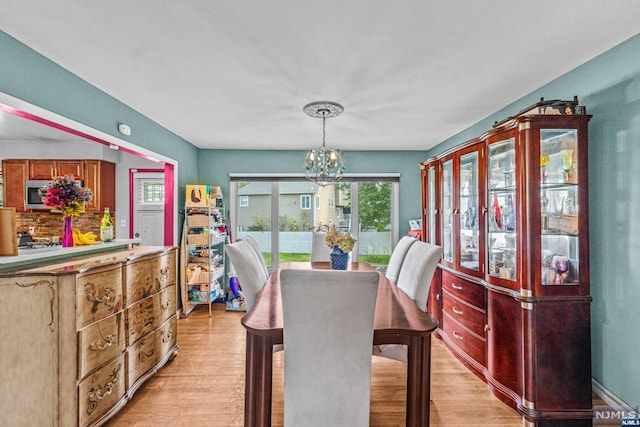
324, 165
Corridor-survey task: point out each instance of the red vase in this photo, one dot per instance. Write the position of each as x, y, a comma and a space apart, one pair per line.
67, 231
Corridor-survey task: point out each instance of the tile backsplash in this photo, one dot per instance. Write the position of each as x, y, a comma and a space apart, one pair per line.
47, 224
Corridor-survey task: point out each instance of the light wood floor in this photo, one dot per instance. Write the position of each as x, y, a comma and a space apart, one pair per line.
204, 385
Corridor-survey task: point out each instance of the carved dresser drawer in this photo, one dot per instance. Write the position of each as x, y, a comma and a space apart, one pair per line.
163, 270
168, 304
98, 294
139, 280
100, 342
101, 391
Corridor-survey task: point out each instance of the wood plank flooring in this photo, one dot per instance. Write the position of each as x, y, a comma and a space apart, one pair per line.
204, 385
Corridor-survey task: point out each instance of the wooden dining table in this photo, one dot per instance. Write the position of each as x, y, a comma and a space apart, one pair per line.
397, 321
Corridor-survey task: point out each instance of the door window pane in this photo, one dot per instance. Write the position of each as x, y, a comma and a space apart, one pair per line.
374, 219
255, 219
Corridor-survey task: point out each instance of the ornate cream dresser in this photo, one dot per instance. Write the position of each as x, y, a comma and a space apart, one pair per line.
79, 337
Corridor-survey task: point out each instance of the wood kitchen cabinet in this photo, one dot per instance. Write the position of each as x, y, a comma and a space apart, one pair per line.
14, 175
510, 209
48, 169
100, 177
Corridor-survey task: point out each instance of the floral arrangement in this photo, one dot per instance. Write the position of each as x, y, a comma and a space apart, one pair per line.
335, 237
65, 195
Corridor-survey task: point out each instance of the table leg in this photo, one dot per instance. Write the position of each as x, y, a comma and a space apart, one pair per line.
418, 381
258, 380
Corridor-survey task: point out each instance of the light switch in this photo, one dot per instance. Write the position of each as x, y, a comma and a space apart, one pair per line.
123, 223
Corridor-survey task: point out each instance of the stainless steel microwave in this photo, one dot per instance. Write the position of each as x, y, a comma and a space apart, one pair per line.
32, 199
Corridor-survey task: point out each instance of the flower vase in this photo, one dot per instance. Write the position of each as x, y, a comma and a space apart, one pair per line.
339, 259
67, 231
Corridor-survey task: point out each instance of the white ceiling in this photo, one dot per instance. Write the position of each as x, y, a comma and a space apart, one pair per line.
236, 74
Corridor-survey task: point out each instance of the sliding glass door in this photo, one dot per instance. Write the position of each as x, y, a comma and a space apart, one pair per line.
282, 214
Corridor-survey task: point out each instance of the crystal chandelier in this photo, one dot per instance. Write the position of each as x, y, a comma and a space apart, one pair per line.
324, 165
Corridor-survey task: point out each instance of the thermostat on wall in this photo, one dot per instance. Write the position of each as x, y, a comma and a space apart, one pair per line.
124, 129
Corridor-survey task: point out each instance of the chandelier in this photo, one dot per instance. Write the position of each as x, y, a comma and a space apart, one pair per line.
324, 165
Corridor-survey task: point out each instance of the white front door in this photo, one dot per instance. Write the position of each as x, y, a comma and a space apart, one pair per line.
148, 207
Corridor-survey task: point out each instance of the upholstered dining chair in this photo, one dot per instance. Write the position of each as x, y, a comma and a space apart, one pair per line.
249, 271
327, 358
256, 247
319, 249
414, 279
397, 257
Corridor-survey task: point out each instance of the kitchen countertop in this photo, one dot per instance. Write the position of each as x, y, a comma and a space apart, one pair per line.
29, 258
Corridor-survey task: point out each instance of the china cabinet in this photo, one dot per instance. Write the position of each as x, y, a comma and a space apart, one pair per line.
510, 209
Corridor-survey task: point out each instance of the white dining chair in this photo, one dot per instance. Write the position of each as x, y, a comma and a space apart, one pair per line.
414, 279
328, 330
256, 247
249, 272
319, 249
397, 257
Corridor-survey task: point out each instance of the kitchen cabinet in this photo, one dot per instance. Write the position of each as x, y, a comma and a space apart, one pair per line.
14, 175
510, 209
48, 169
100, 177
85, 334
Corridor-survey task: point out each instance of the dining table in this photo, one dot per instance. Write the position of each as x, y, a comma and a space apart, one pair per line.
398, 320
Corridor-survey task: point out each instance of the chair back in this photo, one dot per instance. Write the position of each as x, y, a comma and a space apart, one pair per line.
256, 247
417, 270
328, 332
248, 270
319, 249
397, 257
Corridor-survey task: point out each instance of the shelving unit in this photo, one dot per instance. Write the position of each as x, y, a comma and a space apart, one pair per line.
203, 241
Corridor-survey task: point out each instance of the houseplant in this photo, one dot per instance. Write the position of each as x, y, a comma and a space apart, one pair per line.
341, 244
63, 194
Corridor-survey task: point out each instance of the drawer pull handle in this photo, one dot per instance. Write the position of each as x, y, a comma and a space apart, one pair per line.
166, 305
458, 287
458, 336
108, 342
458, 311
101, 393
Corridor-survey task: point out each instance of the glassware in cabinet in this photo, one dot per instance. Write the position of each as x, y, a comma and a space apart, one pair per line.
559, 207
468, 207
501, 244
447, 211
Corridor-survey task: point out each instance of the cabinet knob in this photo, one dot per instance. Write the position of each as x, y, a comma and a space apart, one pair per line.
484, 210
438, 297
487, 328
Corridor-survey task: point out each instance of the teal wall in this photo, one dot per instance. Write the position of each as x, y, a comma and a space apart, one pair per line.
609, 87
29, 76
215, 166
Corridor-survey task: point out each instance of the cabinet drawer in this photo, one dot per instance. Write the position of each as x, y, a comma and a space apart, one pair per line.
143, 355
101, 391
168, 335
163, 269
167, 304
139, 282
100, 342
466, 291
466, 314
98, 295
470, 343
142, 318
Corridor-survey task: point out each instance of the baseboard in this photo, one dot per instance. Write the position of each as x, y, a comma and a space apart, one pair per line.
611, 399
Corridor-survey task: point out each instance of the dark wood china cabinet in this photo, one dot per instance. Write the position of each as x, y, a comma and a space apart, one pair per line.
510, 209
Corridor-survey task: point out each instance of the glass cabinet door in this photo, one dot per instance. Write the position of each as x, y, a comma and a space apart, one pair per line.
431, 204
447, 210
559, 206
468, 207
501, 242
